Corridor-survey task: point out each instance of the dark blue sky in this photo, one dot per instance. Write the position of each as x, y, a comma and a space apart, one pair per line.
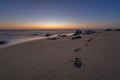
60, 11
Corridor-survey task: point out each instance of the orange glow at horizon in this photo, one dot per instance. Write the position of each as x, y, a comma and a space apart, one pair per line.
51, 26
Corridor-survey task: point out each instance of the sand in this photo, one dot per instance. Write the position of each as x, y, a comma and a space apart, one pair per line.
53, 59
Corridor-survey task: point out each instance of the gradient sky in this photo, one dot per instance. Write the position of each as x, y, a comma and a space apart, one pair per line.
40, 14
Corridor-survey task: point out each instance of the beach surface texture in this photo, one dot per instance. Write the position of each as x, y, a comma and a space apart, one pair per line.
46, 59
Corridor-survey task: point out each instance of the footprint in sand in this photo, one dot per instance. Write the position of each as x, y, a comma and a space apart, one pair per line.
86, 44
77, 49
77, 62
90, 39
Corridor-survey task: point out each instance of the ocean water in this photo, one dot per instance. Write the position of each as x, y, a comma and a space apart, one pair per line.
20, 36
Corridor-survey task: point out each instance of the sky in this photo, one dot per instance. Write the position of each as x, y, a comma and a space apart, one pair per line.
59, 14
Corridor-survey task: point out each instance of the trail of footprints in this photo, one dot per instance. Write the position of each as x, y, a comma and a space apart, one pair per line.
77, 60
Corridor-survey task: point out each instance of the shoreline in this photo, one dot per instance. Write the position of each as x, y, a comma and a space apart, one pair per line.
28, 39
19, 41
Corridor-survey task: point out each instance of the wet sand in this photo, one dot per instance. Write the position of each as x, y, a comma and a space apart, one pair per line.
53, 59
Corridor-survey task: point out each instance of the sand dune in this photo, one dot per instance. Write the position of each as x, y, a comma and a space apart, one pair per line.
53, 59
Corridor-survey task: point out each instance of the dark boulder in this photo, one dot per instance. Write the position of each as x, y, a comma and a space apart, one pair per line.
76, 37
117, 30
89, 31
3, 42
108, 30
53, 38
47, 35
62, 35
77, 50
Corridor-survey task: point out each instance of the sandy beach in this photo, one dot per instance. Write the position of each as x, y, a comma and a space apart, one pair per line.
53, 59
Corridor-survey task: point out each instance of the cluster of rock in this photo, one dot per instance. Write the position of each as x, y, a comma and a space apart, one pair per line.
89, 31
57, 36
76, 35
